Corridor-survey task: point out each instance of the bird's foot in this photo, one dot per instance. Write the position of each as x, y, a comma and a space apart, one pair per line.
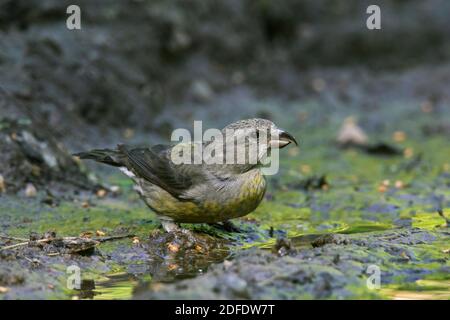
170, 226
227, 226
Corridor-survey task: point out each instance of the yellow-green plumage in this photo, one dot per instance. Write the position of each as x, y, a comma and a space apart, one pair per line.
238, 199
206, 192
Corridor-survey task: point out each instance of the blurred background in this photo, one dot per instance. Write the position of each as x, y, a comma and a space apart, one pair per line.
138, 69
150, 66
371, 108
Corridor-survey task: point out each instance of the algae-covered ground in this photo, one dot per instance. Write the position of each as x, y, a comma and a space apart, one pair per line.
329, 217
336, 218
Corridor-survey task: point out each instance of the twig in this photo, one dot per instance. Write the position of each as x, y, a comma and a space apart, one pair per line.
3, 236
104, 239
25, 243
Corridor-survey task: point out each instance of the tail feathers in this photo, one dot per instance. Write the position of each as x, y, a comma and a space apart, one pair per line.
107, 156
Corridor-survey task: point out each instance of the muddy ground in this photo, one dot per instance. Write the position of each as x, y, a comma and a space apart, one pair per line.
334, 211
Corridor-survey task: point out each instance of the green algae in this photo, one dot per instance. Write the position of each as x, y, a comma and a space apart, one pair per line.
352, 203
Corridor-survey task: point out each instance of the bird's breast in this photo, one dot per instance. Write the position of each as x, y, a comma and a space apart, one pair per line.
250, 193
236, 199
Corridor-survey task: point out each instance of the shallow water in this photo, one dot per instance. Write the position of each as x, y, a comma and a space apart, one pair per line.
362, 195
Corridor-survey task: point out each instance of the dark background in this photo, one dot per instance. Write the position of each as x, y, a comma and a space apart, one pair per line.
139, 69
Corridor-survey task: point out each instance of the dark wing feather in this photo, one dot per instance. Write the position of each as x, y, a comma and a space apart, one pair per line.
155, 166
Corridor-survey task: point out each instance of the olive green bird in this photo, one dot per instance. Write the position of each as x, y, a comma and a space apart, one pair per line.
204, 192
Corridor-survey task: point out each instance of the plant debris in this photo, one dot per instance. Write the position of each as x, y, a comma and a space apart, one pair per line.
54, 245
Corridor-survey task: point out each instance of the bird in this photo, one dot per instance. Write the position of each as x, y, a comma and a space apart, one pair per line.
210, 191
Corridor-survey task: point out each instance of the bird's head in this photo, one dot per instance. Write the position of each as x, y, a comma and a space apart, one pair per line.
261, 131
247, 142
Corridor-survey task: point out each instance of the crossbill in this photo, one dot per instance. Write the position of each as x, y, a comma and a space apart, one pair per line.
213, 190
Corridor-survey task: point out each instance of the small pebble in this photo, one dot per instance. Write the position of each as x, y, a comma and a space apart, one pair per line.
399, 184
399, 136
114, 189
4, 289
101, 193
30, 190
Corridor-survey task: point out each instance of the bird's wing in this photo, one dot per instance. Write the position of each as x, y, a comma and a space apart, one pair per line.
155, 165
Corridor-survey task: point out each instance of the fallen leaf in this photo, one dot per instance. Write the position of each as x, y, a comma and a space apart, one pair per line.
173, 247
136, 240
86, 234
172, 266
100, 233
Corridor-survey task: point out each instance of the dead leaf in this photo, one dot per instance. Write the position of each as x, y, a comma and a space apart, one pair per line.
100, 233
86, 234
172, 266
173, 247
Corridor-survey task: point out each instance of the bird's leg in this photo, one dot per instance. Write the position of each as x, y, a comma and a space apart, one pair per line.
170, 226
226, 226
231, 227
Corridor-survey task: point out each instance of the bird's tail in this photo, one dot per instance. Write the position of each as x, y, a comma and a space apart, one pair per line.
107, 156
